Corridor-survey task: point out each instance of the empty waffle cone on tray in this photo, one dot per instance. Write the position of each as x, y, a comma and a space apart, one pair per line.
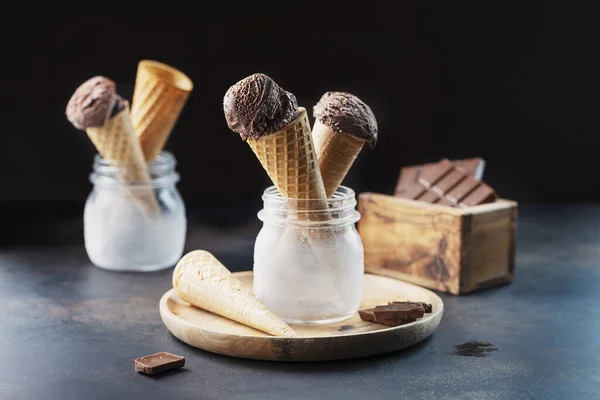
159, 95
201, 280
343, 124
104, 116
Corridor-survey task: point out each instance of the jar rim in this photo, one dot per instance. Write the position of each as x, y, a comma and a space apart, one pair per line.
161, 170
314, 213
342, 198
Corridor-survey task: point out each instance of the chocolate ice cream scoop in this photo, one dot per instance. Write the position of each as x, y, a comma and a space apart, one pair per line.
257, 106
345, 113
94, 103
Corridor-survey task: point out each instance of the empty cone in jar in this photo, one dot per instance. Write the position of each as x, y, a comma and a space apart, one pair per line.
201, 280
160, 94
278, 131
97, 109
343, 124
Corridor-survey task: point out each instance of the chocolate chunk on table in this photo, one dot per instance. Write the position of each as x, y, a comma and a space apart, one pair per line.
159, 362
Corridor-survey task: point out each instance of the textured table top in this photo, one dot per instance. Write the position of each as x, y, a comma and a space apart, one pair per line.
69, 330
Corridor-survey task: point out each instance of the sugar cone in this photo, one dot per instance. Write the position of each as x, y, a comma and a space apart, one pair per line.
159, 96
290, 160
117, 143
201, 280
336, 153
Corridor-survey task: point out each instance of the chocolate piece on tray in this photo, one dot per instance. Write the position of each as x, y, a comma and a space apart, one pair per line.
395, 322
159, 362
399, 311
426, 306
367, 315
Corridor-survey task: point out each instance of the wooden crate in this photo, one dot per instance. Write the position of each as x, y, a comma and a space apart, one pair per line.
447, 249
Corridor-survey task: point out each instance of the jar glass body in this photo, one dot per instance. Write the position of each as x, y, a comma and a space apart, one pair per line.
134, 225
309, 265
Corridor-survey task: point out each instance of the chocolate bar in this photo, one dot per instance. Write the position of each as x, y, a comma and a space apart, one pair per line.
409, 175
444, 183
159, 362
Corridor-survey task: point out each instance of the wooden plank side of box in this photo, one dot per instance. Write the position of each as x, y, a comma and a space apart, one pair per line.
412, 241
489, 246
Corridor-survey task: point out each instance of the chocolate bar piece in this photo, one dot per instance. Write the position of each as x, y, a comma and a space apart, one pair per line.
473, 167
399, 311
426, 306
369, 316
396, 322
159, 362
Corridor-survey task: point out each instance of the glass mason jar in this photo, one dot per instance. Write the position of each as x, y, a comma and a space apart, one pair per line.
134, 225
308, 257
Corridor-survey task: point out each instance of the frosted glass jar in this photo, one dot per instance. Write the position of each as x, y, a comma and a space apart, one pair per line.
134, 226
308, 258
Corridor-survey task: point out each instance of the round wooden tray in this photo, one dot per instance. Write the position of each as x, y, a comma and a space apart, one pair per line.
351, 338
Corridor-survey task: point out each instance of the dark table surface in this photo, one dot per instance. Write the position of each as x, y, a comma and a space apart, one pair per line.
69, 330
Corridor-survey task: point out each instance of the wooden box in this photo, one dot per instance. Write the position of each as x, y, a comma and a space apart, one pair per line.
447, 249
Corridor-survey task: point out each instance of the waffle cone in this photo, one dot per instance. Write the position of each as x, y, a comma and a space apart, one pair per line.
290, 160
119, 146
201, 280
159, 96
336, 153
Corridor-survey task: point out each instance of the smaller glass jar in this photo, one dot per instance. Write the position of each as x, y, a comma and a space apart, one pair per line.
308, 258
134, 225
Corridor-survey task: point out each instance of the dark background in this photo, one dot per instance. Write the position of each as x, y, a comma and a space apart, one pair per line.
514, 84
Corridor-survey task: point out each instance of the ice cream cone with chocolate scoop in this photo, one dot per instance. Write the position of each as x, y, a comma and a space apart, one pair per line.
343, 124
159, 95
97, 109
278, 132
201, 280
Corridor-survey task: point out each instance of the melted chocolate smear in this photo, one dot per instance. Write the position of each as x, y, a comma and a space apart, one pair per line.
474, 349
345, 328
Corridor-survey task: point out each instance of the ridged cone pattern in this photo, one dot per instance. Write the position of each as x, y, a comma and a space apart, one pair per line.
336, 153
201, 280
290, 160
157, 103
118, 144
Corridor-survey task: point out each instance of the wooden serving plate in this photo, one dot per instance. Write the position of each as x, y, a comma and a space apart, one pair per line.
351, 338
